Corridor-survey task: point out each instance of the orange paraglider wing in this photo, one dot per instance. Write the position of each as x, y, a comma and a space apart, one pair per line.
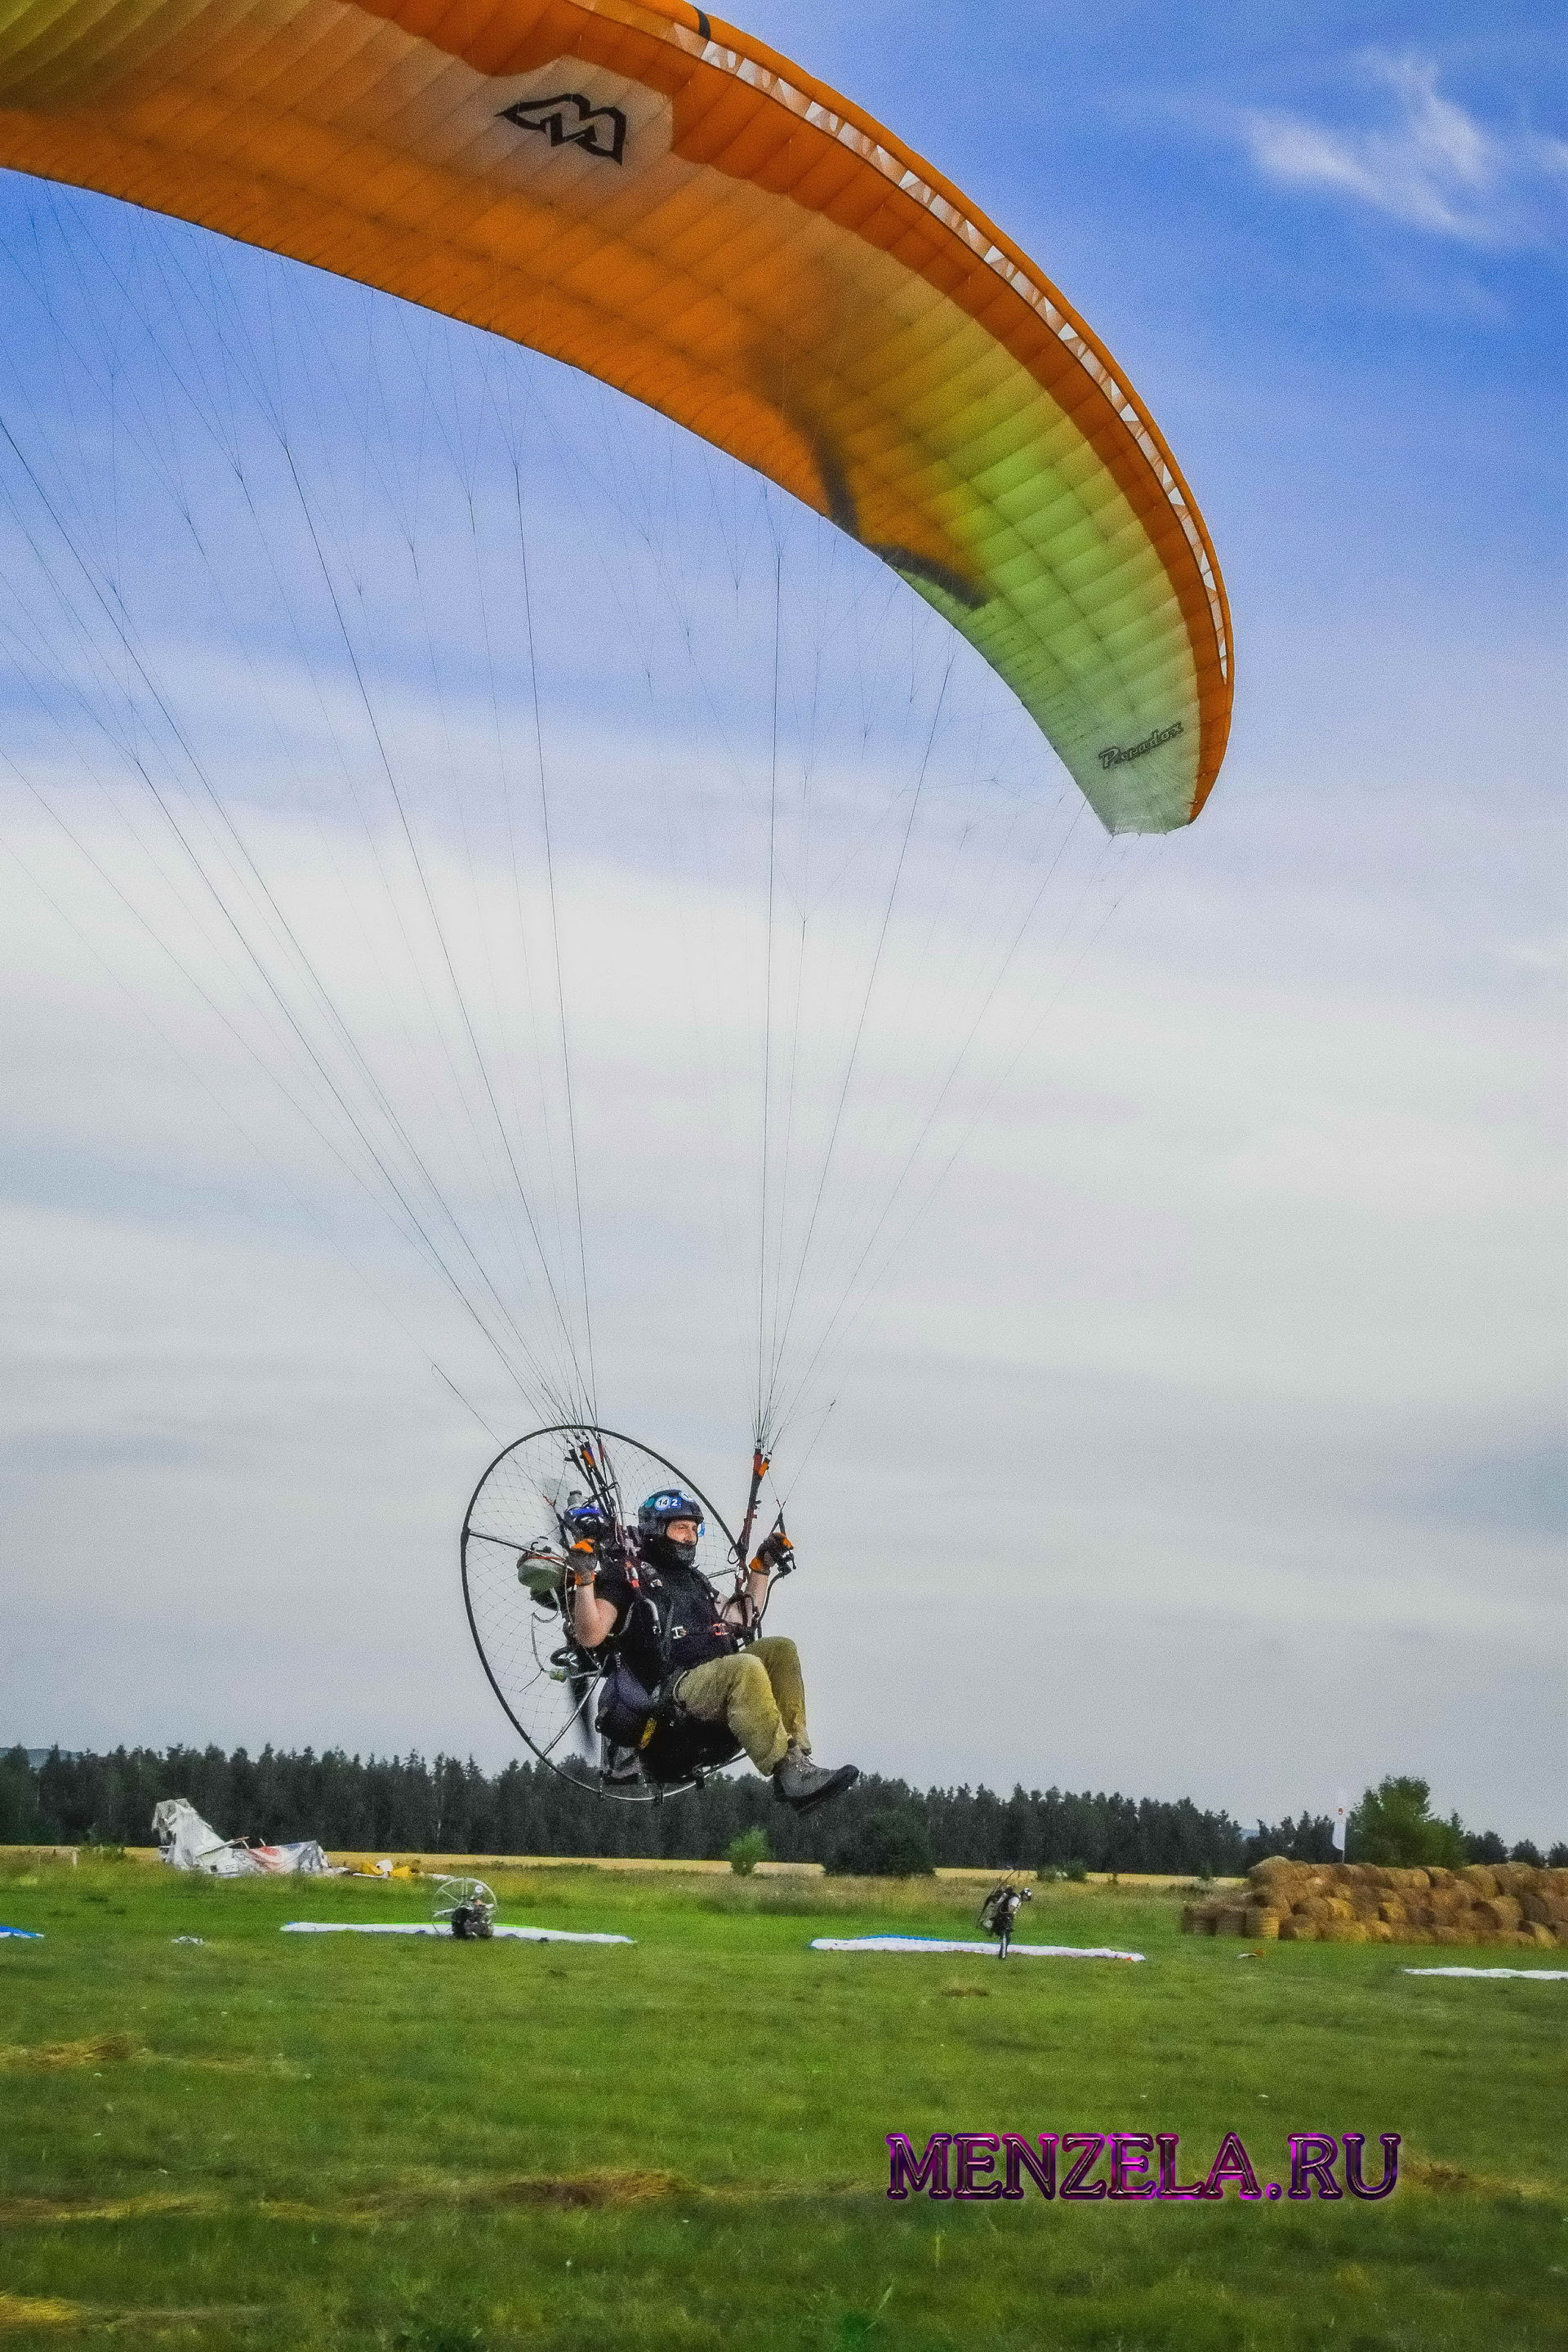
637, 189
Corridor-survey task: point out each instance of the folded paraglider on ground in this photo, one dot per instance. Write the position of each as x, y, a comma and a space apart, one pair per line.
188, 1843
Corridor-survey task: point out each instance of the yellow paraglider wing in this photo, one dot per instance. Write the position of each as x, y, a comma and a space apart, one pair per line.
641, 190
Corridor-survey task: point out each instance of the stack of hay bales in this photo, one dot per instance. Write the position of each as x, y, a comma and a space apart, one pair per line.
1362, 1903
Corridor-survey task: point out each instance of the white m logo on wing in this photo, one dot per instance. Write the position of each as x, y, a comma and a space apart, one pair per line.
570, 120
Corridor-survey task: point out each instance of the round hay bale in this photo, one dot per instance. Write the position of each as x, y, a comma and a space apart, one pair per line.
1295, 1930
1378, 1931
1345, 1931
1263, 1924
1554, 1882
1448, 1935
1477, 1875
1542, 1936
1337, 1907
1273, 1865
1500, 1911
1392, 1908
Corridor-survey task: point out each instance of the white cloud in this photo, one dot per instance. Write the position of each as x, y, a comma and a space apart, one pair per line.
1432, 164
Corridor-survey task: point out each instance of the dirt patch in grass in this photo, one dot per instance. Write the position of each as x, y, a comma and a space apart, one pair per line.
196, 2315
1453, 2180
99, 2049
364, 2208
565, 2191
43, 2212
49, 2311
96, 2050
40, 2310
573, 2191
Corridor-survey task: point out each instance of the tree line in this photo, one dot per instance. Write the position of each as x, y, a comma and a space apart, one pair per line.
447, 1805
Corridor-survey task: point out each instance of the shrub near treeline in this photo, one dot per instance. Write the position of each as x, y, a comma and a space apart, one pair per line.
1395, 1824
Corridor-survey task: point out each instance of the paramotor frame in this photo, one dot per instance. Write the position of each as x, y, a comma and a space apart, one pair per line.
544, 1681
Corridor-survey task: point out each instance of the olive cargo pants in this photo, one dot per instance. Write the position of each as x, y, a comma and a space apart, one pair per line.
758, 1695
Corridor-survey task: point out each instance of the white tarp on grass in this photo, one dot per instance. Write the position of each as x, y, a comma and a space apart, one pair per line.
942, 1944
1539, 1976
383, 1928
190, 1844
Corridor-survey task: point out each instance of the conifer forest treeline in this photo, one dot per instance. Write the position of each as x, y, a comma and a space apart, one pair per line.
447, 1806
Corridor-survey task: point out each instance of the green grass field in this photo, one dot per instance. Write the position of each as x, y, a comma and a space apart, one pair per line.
267, 2140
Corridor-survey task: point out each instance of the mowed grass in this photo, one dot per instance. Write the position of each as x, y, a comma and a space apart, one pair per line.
267, 2140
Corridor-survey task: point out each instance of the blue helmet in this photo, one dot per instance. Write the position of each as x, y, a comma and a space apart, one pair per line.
669, 1503
584, 1521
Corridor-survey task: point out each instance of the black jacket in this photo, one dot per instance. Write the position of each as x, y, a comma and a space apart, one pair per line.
668, 1619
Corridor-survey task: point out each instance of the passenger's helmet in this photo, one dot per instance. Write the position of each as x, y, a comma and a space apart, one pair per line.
654, 1516
584, 1522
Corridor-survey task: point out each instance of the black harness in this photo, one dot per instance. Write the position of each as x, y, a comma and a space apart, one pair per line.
630, 1713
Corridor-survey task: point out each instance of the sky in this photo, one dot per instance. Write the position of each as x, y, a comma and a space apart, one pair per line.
1204, 1435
